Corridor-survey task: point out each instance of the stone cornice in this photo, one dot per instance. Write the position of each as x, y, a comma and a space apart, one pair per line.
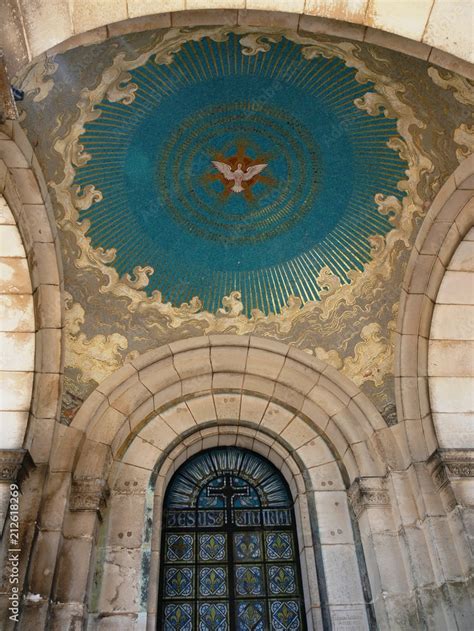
368, 492
449, 464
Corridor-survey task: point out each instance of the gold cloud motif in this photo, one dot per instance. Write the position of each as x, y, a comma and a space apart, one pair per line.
351, 327
464, 137
463, 91
95, 358
36, 79
230, 316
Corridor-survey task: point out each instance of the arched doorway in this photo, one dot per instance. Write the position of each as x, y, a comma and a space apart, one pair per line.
230, 547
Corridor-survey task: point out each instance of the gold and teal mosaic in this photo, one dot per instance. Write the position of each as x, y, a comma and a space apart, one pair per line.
229, 172
241, 181
230, 560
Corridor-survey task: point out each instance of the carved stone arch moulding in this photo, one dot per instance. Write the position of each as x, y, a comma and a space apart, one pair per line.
309, 420
448, 221
324, 519
203, 371
31, 279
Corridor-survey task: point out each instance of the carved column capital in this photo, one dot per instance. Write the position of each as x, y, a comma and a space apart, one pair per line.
88, 494
368, 492
15, 464
447, 466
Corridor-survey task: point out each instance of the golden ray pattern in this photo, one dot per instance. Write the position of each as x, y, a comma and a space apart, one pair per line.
330, 303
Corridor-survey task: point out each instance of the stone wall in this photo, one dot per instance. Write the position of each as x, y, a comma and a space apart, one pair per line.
384, 513
17, 340
30, 295
451, 351
375, 536
438, 30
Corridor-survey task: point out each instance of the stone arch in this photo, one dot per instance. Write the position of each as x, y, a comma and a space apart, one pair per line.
433, 31
17, 340
31, 275
201, 370
24, 189
132, 420
451, 351
334, 533
448, 221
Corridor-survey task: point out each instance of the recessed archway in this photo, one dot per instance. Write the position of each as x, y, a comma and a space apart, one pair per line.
131, 433
172, 402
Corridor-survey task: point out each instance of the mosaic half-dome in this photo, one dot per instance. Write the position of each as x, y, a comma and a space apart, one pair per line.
228, 171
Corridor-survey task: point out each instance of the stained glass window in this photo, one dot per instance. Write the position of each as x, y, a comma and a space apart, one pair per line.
230, 556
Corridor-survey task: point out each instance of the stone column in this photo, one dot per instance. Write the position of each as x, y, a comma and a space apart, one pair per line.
15, 467
452, 471
48, 528
371, 502
86, 503
341, 558
87, 500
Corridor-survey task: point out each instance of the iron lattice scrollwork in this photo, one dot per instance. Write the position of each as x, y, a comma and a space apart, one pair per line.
230, 556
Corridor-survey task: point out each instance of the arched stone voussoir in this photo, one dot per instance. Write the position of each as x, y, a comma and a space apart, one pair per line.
113, 384
177, 428
94, 460
31, 290
167, 393
327, 400
228, 358
446, 224
291, 463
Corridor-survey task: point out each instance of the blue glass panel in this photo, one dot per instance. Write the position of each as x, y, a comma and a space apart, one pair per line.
247, 546
282, 579
213, 617
258, 479
179, 582
179, 548
249, 580
211, 496
285, 615
212, 547
251, 615
247, 517
178, 617
212, 582
245, 496
198, 563
278, 545
215, 493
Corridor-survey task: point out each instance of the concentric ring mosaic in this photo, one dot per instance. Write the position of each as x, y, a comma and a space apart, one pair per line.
276, 156
226, 172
